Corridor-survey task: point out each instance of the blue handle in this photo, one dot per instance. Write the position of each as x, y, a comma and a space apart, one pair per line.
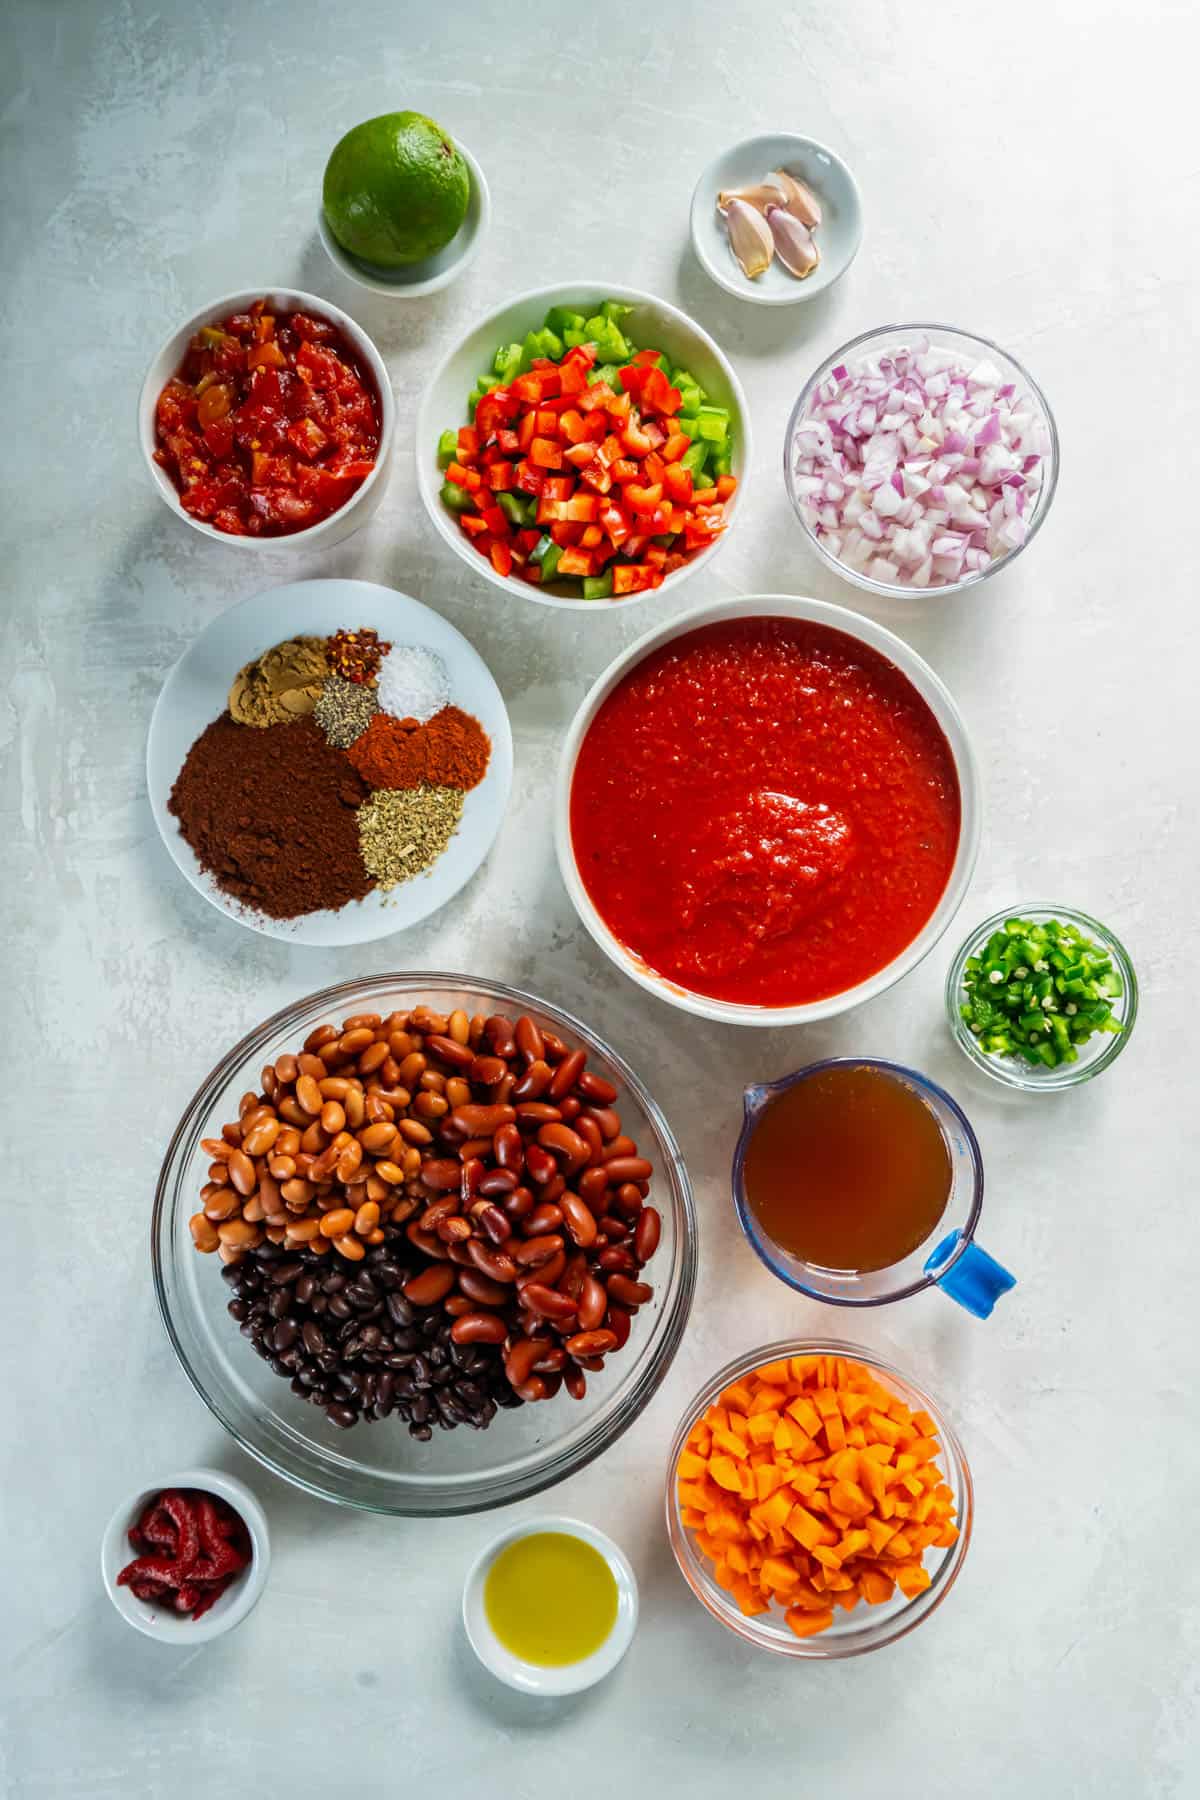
976, 1279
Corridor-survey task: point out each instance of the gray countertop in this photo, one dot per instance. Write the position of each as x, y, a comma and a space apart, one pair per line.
1028, 172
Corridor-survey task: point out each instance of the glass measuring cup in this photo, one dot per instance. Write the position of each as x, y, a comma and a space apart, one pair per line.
955, 1262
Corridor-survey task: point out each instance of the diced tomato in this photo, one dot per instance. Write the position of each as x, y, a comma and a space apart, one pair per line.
319, 367
218, 438
501, 556
631, 578
284, 506
270, 356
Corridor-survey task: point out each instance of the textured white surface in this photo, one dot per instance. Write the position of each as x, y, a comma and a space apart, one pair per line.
1029, 171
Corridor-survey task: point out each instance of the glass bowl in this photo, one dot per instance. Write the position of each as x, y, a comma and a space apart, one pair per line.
889, 337
867, 1627
1101, 1049
379, 1466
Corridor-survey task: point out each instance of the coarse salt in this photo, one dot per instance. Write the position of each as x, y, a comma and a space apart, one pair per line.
413, 683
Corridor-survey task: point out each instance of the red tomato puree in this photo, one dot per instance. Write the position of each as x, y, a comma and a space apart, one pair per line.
765, 811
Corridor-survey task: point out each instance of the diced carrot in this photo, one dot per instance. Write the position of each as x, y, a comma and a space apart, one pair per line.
807, 1624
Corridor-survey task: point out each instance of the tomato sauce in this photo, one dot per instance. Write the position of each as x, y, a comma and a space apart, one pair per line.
765, 811
270, 425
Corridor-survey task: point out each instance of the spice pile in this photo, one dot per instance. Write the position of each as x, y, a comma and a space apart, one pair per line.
430, 1215
340, 765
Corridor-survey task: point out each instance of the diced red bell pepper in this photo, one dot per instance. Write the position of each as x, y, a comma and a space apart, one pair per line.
306, 435
653, 467
575, 562
597, 477
675, 447
546, 424
526, 426
580, 455
580, 506
218, 438
454, 473
580, 356
631, 578
545, 453
502, 561
498, 475
623, 470
654, 432
620, 407
565, 531
615, 523
494, 410
558, 487
677, 481
472, 524
596, 396
656, 555
658, 395
508, 442
726, 486
634, 440
592, 536
496, 521
705, 496
571, 425
649, 358
573, 378
468, 442
643, 499
528, 479
529, 539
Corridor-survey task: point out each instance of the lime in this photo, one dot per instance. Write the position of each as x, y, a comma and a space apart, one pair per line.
396, 189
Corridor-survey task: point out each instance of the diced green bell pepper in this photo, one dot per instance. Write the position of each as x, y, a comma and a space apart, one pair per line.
540, 343
483, 386
598, 587
447, 448
546, 554
561, 319
616, 310
610, 372
456, 498
611, 345
695, 457
507, 364
712, 423
519, 509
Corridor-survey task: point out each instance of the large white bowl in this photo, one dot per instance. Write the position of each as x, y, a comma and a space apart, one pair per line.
652, 323
364, 500
932, 691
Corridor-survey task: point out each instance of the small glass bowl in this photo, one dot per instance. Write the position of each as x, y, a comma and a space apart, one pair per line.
379, 1466
1101, 1049
889, 337
867, 1627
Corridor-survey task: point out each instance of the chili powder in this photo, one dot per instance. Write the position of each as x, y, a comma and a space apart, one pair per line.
452, 750
273, 816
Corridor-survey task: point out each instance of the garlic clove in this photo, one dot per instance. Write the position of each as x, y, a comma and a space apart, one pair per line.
799, 200
793, 242
758, 197
750, 238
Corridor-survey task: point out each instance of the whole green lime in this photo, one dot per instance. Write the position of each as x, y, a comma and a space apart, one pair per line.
396, 189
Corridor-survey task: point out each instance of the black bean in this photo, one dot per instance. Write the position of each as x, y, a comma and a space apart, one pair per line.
286, 1272
345, 1416
285, 1334
305, 1288
314, 1337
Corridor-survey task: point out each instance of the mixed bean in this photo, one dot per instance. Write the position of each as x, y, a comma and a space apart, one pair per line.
468, 1179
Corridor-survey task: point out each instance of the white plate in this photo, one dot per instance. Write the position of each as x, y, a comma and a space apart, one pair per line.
746, 165
196, 692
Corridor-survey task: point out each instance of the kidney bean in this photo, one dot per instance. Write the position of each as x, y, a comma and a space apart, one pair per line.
575, 1381
615, 1230
499, 1034
589, 1131
479, 1328
547, 1273
620, 1323
616, 1259
646, 1234
561, 1140
520, 1358
627, 1201
593, 1301
454, 1231
629, 1293
495, 1263
539, 1164
481, 1121
551, 1362
478, 1288
570, 1108
548, 1302
534, 1113
486, 1071
555, 1048
592, 1186
567, 1074
535, 1389
472, 1175
430, 1286
519, 1203
459, 1056
606, 1121
537, 1250
622, 1169
542, 1219
591, 1343
579, 1221
528, 1039
533, 1083
440, 1174
496, 1183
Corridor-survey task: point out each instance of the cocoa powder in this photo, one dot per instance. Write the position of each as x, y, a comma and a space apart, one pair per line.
272, 816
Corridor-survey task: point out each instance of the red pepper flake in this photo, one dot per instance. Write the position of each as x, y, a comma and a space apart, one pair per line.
200, 1546
356, 655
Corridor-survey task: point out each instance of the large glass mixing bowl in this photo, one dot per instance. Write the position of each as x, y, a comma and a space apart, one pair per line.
379, 1466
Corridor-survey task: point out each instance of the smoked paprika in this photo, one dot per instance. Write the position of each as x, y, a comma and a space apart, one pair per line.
452, 750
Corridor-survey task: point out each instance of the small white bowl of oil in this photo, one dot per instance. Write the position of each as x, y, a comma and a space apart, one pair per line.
550, 1606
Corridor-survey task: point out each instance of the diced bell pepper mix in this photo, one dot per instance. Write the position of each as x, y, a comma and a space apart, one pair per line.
587, 461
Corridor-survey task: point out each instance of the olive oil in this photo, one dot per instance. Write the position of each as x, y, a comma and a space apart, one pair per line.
848, 1169
550, 1598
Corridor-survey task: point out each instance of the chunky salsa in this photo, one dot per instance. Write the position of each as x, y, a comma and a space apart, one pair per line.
765, 811
270, 425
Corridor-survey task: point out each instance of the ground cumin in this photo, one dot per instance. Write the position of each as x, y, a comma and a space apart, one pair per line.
273, 816
452, 750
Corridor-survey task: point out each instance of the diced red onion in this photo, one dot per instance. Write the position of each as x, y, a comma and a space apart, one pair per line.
920, 467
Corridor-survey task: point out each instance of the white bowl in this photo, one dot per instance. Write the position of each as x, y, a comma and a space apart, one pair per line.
195, 693
238, 1599
838, 236
937, 698
364, 500
652, 323
535, 1678
415, 280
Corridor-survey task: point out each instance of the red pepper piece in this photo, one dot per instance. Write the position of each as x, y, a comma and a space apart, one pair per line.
208, 1597
181, 1513
187, 1598
151, 1568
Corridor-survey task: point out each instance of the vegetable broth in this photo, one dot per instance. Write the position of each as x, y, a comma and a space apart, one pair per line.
848, 1169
